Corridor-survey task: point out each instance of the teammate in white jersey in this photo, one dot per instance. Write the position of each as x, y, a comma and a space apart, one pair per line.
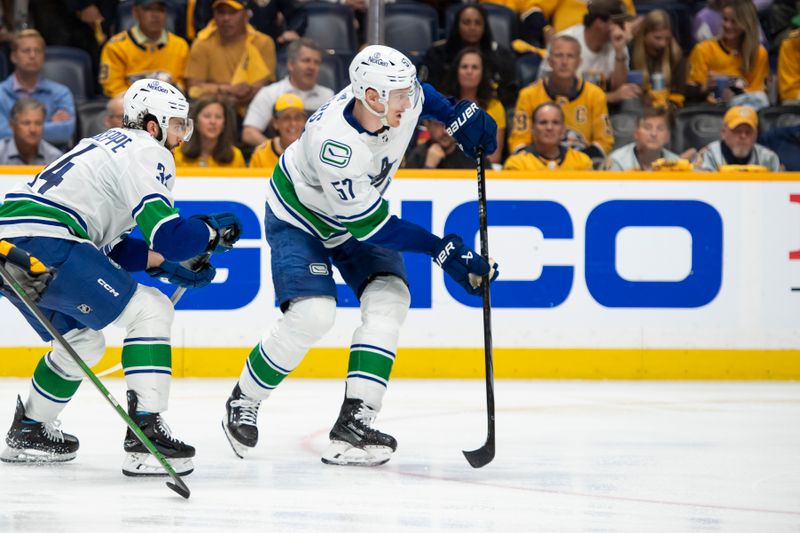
325, 207
75, 216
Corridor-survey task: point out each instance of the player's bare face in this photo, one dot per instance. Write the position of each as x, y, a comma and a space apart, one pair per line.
211, 122
470, 26
652, 134
470, 70
564, 59
179, 130
399, 101
548, 128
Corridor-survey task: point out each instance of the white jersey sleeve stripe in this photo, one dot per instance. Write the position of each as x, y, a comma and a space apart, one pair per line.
364, 213
45, 201
149, 198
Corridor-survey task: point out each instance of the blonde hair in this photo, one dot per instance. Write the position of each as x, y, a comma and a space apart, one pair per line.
656, 20
25, 34
746, 17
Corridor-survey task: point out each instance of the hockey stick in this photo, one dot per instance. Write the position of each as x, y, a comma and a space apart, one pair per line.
484, 455
176, 296
179, 486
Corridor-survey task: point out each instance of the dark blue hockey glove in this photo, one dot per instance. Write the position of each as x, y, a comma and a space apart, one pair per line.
181, 276
228, 229
463, 264
472, 128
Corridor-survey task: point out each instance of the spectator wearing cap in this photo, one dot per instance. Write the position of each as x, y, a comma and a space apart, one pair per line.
283, 20
288, 119
737, 144
147, 50
568, 13
546, 152
604, 51
212, 144
303, 61
114, 112
439, 151
230, 58
27, 55
588, 127
789, 66
25, 146
650, 138
733, 67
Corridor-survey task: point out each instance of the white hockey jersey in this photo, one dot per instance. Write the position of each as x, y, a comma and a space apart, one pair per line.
330, 182
96, 192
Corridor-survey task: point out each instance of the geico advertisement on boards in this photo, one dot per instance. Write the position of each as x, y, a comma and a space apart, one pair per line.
605, 263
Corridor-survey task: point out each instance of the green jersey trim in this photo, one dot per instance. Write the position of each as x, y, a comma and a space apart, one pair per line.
27, 209
152, 215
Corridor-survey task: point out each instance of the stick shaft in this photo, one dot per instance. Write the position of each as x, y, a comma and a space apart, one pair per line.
33, 308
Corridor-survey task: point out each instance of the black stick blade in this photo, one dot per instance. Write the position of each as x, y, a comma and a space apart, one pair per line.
482, 456
180, 487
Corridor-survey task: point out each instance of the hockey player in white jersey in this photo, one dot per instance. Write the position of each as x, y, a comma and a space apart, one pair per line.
75, 216
325, 207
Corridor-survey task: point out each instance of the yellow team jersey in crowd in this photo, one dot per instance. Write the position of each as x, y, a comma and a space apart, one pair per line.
248, 60
789, 68
585, 113
560, 13
265, 156
496, 110
711, 57
183, 161
528, 159
128, 56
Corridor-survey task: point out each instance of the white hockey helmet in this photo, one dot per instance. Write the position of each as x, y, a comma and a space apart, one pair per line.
383, 69
157, 98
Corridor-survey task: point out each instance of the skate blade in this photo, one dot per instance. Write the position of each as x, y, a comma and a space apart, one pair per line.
345, 454
31, 456
238, 448
144, 464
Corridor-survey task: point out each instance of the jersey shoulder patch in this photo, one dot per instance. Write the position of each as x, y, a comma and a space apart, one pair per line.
335, 153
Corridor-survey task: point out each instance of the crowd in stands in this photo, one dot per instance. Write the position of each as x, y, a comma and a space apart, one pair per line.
572, 84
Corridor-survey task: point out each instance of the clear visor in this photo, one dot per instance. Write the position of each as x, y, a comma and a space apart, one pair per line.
182, 127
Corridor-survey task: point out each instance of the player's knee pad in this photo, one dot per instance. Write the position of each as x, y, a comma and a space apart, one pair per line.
385, 302
89, 344
310, 318
148, 314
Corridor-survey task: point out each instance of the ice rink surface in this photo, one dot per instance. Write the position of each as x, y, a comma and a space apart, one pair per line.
571, 456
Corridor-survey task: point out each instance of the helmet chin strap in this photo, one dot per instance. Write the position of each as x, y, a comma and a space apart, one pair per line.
380, 114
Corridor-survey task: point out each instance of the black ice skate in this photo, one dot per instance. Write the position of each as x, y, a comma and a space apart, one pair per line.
239, 423
139, 461
37, 442
354, 441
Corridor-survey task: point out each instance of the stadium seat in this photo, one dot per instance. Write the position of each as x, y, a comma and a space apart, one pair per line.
332, 26
696, 126
778, 117
410, 27
90, 118
527, 66
502, 20
71, 67
623, 124
333, 72
3, 65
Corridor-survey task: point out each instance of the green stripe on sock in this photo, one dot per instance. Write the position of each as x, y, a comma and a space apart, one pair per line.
53, 384
371, 363
265, 373
135, 355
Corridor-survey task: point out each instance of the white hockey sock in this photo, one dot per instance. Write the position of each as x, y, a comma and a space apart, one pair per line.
285, 344
57, 376
384, 305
